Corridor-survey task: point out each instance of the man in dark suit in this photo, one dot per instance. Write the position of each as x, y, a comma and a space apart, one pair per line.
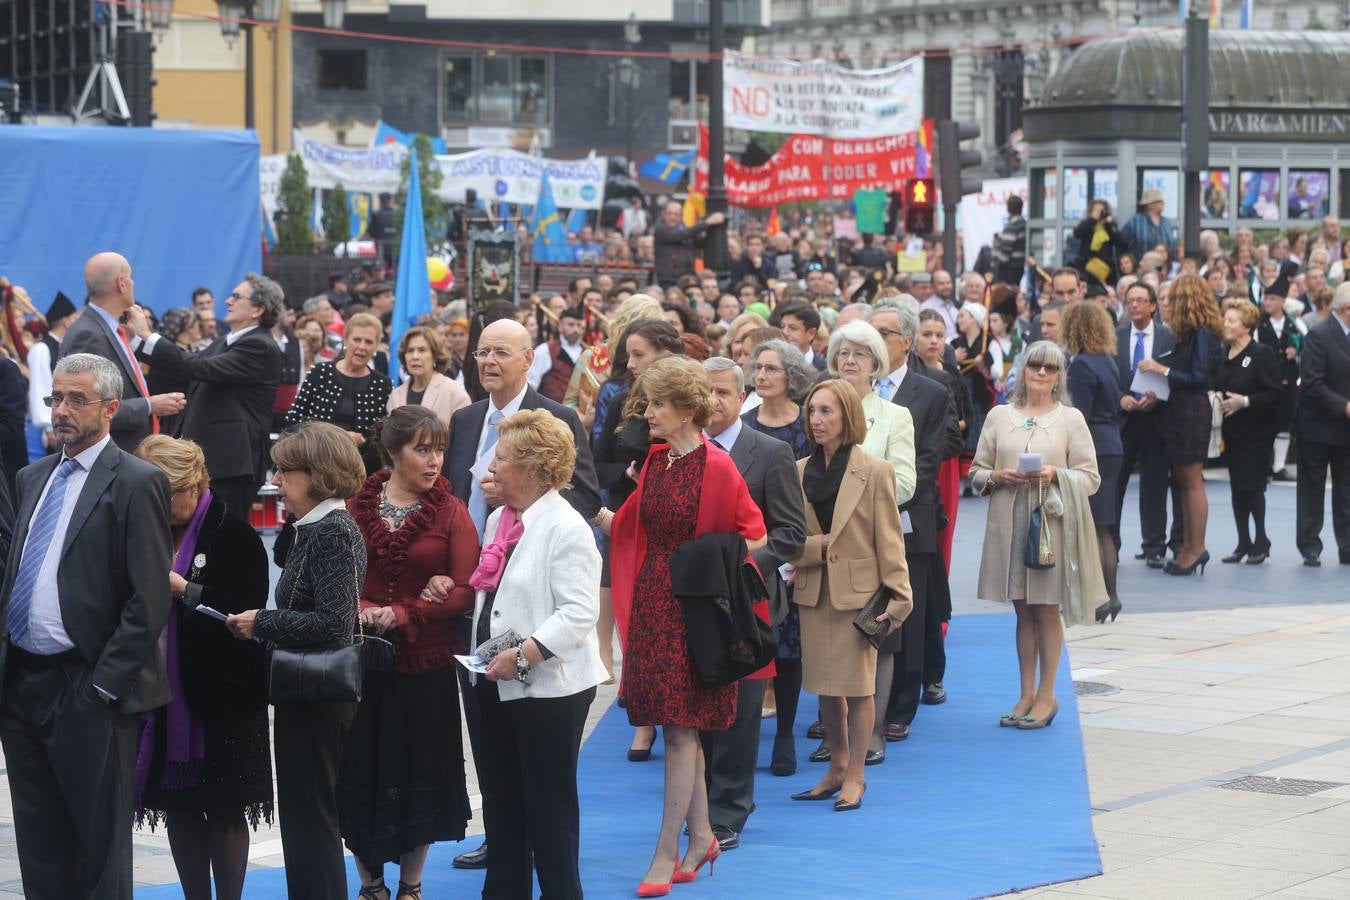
770, 474
107, 277
1144, 337
1280, 333
503, 357
933, 410
1324, 431
85, 597
234, 381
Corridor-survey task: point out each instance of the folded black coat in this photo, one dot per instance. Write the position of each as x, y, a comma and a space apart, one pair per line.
718, 587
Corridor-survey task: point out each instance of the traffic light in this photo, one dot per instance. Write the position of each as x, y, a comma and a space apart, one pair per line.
136, 72
920, 201
953, 161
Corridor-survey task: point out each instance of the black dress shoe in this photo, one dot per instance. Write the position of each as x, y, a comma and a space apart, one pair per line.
896, 732
934, 694
1311, 560
821, 753
474, 859
816, 730
726, 838
810, 794
1141, 555
875, 757
784, 757
1153, 562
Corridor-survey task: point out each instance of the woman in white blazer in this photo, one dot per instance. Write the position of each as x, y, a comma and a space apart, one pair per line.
422, 356
538, 587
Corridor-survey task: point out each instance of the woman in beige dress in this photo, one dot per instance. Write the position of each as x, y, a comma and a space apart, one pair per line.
854, 546
1036, 419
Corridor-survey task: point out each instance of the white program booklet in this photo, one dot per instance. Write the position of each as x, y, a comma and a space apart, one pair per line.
1144, 382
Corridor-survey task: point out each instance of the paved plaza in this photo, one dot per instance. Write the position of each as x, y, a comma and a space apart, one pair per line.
1201, 682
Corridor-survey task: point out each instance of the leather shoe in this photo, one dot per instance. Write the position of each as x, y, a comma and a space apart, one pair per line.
1345, 559
1311, 560
1153, 562
784, 757
816, 731
726, 838
934, 694
474, 859
875, 757
897, 732
1141, 555
821, 753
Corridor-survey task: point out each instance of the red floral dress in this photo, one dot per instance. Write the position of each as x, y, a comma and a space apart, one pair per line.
658, 676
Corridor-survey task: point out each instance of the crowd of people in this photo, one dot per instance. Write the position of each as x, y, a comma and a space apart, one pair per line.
554, 485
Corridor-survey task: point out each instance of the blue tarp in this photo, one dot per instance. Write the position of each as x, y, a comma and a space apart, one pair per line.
181, 206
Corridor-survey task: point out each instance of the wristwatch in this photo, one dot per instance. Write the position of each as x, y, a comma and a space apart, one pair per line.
522, 664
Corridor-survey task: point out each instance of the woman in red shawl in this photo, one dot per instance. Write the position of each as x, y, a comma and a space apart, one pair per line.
687, 488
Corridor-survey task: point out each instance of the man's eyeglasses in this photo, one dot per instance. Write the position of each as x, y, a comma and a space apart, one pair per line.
888, 333
500, 354
79, 401
235, 295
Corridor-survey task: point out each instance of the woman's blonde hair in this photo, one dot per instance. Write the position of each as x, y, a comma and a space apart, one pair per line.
363, 320
327, 454
542, 443
1246, 310
1086, 328
855, 420
738, 325
638, 306
181, 461
679, 381
1191, 307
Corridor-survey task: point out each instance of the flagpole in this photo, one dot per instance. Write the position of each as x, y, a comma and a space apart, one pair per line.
715, 248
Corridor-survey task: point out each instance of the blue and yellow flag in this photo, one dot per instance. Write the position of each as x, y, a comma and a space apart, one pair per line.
667, 168
550, 238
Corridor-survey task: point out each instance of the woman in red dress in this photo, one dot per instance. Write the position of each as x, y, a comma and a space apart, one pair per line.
687, 488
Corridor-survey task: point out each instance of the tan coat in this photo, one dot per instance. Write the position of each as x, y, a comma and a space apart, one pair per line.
443, 397
868, 550
1063, 441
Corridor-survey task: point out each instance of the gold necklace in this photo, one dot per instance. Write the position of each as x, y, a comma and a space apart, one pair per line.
672, 457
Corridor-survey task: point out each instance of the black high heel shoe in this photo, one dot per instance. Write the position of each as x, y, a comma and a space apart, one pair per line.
1110, 608
1200, 562
1259, 555
1237, 555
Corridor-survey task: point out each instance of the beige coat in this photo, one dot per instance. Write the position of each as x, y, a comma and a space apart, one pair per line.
443, 397
1063, 441
868, 550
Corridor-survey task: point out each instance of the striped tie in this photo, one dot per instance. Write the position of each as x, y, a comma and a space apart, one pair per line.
35, 551
478, 505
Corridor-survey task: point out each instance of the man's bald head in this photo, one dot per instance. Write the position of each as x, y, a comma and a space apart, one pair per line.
506, 355
107, 279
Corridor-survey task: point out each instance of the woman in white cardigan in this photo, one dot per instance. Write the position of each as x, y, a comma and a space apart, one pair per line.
421, 357
538, 587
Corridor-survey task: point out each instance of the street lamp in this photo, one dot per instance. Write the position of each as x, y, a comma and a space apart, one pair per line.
161, 15
628, 77
232, 14
334, 11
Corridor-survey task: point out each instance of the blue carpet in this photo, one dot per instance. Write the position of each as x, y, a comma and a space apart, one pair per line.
962, 809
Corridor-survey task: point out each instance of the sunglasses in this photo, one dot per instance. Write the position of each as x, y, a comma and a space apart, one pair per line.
1043, 368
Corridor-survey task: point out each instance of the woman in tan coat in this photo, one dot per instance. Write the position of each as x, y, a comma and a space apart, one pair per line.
1036, 419
854, 545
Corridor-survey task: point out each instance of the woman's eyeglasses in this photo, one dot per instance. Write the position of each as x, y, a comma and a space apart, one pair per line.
768, 369
1044, 368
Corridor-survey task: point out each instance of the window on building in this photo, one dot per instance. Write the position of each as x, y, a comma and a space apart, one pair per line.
342, 70
1044, 191
1166, 180
1008, 85
1214, 194
1309, 193
492, 88
1259, 194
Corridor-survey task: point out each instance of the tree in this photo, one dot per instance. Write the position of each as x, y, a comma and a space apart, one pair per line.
337, 217
430, 176
295, 234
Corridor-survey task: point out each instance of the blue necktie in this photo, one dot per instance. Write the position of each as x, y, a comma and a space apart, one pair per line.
35, 551
478, 506
884, 388
1138, 358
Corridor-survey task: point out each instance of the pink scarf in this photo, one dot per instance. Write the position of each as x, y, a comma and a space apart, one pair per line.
493, 561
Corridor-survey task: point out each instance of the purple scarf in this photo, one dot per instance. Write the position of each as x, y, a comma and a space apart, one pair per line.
185, 735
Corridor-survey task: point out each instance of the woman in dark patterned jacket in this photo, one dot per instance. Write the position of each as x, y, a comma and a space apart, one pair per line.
318, 469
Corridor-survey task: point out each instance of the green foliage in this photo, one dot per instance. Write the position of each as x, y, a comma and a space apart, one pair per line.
430, 177
337, 217
294, 233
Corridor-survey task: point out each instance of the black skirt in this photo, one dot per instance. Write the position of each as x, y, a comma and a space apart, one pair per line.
1249, 463
401, 783
1188, 420
236, 778
1103, 503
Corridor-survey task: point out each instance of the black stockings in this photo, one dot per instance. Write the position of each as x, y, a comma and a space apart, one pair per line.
1251, 504
1106, 548
204, 846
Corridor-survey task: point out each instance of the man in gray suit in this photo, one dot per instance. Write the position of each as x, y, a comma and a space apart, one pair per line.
85, 597
100, 331
770, 474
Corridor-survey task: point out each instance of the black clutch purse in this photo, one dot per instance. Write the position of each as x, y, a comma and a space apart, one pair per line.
866, 620
1039, 553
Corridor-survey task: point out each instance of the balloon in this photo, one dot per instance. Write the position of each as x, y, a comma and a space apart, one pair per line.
436, 269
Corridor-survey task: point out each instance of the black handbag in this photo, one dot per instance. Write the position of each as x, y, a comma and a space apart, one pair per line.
866, 620
1039, 553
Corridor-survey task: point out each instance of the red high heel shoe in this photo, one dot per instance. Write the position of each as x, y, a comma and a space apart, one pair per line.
647, 889
710, 857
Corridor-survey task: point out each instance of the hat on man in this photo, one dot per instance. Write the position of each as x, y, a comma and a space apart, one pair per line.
60, 308
1151, 196
375, 288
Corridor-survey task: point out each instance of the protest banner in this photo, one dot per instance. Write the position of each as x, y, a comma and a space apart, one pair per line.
983, 215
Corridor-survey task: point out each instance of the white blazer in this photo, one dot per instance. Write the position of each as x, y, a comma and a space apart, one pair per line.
550, 591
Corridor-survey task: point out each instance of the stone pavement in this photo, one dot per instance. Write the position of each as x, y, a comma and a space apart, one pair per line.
1201, 682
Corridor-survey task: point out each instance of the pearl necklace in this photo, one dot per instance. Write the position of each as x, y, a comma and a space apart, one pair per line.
672, 457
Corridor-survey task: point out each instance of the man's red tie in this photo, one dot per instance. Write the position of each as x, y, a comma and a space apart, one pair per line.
140, 376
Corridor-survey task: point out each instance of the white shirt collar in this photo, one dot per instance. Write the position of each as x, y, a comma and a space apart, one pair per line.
728, 437
809, 355
897, 376
512, 407
323, 508
236, 335
1148, 329
89, 455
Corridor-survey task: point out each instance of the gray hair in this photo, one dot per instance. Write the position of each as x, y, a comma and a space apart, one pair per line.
107, 376
864, 335
176, 321
267, 295
906, 309
1341, 299
722, 364
801, 375
311, 305
1037, 353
